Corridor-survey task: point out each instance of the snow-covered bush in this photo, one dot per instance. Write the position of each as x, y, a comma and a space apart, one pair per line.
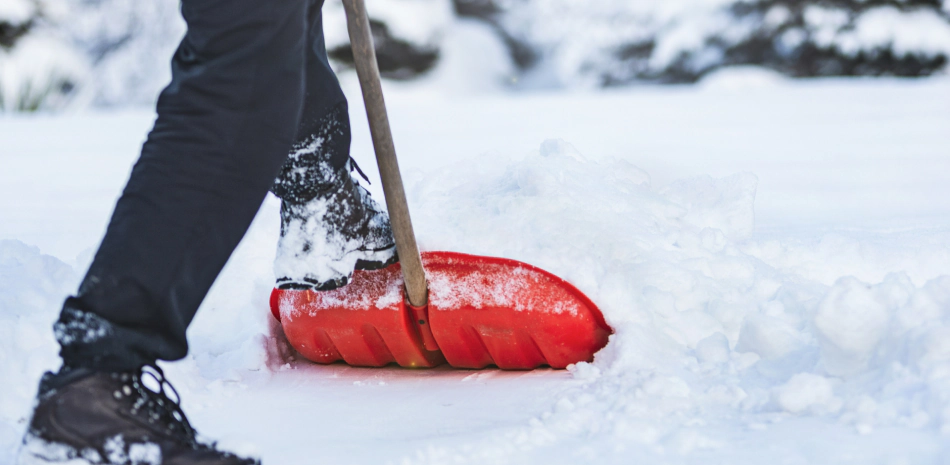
130, 42
116, 52
407, 34
38, 68
612, 42
845, 37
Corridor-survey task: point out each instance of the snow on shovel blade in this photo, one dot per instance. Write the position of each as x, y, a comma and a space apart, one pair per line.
482, 311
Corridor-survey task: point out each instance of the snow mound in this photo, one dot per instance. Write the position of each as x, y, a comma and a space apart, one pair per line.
708, 336
741, 78
32, 288
722, 339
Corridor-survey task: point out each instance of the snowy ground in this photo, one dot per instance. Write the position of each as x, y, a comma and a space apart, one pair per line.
775, 260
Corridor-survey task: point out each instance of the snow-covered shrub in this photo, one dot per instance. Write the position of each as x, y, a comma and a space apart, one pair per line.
844, 37
116, 52
612, 42
407, 34
39, 70
130, 42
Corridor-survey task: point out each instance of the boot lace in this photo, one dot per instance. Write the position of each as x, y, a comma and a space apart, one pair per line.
156, 406
354, 167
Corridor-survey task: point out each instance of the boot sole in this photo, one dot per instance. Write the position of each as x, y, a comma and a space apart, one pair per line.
376, 261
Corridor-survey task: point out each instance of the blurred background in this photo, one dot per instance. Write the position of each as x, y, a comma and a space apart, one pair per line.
57, 55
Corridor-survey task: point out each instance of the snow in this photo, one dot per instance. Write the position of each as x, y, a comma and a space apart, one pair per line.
851, 321
581, 43
16, 12
740, 78
775, 261
616, 42
922, 31
301, 256
824, 23
500, 287
131, 44
419, 22
119, 50
472, 59
807, 391
379, 290
42, 72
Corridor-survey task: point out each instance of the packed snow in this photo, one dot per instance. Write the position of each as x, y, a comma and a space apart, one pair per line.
774, 260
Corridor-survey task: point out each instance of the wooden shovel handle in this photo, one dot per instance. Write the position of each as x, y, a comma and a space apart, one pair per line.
364, 55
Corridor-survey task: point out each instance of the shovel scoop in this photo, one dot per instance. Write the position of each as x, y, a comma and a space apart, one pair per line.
436, 307
481, 311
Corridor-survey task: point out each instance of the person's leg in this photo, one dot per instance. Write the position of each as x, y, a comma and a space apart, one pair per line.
224, 126
329, 224
322, 143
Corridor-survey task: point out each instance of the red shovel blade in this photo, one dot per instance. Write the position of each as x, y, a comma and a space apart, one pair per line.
482, 311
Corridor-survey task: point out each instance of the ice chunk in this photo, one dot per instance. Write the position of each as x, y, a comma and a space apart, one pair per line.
851, 321
807, 391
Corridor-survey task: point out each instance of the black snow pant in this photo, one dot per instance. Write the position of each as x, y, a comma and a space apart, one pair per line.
249, 81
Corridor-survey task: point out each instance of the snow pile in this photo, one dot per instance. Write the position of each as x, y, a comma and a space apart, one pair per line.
732, 344
229, 339
32, 287
709, 337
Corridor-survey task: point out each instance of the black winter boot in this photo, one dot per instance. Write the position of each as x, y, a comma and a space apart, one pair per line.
86, 417
323, 240
329, 224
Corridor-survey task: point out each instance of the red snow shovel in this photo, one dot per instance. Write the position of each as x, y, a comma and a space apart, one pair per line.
473, 311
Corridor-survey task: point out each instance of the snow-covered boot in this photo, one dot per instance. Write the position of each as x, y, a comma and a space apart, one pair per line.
86, 417
324, 239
